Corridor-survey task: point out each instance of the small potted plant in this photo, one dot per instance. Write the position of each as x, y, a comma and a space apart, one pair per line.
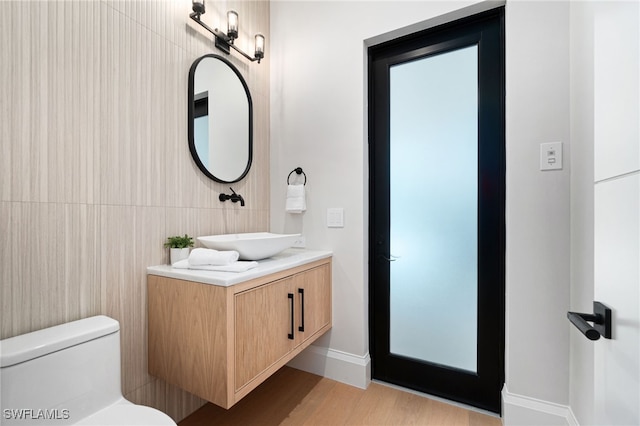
178, 247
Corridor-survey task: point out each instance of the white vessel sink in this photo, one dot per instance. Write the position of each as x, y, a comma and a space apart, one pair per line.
251, 246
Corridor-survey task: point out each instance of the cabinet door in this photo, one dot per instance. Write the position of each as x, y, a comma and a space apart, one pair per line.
263, 318
313, 291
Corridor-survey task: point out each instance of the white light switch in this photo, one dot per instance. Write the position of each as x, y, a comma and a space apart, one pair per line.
335, 218
551, 156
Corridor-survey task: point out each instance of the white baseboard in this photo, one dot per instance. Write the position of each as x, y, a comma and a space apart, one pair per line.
343, 367
526, 411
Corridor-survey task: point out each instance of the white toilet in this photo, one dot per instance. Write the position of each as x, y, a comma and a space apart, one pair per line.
68, 375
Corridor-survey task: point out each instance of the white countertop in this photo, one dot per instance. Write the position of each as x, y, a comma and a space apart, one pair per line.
287, 259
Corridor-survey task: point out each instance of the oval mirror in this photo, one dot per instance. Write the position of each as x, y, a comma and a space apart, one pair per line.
220, 119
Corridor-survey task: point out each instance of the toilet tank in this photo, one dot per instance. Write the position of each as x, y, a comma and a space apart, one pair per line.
62, 373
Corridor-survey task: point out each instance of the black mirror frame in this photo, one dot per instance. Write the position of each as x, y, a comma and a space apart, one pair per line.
190, 119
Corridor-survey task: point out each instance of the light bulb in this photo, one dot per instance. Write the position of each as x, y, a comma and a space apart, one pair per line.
259, 46
232, 24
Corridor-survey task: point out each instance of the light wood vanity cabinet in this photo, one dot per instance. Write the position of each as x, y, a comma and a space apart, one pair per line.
287, 312
220, 343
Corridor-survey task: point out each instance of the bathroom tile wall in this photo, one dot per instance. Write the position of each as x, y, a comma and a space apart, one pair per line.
95, 170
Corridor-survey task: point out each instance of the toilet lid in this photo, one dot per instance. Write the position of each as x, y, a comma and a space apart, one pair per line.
128, 415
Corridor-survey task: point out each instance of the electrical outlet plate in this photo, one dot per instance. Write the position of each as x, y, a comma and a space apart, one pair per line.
551, 156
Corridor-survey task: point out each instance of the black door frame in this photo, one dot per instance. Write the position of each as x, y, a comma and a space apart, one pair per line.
482, 389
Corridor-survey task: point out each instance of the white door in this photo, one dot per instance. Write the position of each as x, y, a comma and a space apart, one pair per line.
617, 209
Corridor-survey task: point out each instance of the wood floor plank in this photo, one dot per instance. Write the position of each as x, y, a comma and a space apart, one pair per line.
440, 413
479, 419
411, 409
375, 406
311, 403
337, 405
293, 397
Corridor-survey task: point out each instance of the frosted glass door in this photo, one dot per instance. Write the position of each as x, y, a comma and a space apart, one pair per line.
434, 208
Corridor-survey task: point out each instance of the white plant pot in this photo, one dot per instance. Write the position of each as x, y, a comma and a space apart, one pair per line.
178, 254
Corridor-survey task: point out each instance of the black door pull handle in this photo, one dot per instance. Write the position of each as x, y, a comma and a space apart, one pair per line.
301, 292
290, 296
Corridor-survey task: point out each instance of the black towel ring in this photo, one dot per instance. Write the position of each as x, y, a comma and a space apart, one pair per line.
298, 171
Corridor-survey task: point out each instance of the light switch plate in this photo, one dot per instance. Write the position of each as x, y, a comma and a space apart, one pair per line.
551, 156
335, 218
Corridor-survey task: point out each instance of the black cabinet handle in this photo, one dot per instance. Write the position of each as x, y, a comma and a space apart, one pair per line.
301, 292
290, 296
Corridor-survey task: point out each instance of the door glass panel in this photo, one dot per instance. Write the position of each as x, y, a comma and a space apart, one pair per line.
434, 203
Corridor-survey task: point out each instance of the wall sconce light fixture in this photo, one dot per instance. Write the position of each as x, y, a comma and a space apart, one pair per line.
224, 41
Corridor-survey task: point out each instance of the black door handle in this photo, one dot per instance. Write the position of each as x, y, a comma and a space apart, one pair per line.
601, 319
391, 257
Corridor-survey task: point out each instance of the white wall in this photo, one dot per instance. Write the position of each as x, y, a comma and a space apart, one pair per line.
581, 349
537, 71
318, 122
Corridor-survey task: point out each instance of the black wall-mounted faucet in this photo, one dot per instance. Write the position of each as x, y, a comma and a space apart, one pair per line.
233, 197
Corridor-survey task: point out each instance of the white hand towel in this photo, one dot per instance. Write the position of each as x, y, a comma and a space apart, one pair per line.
240, 266
296, 202
203, 256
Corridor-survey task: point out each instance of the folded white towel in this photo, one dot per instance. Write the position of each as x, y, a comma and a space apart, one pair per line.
296, 200
204, 256
240, 266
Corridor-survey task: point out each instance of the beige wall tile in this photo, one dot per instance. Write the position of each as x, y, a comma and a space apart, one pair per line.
7, 256
6, 109
131, 240
50, 265
81, 261
95, 167
171, 400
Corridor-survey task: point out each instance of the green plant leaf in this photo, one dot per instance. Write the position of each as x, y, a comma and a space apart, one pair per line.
178, 241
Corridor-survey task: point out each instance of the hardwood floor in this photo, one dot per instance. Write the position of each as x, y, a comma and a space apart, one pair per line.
294, 397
